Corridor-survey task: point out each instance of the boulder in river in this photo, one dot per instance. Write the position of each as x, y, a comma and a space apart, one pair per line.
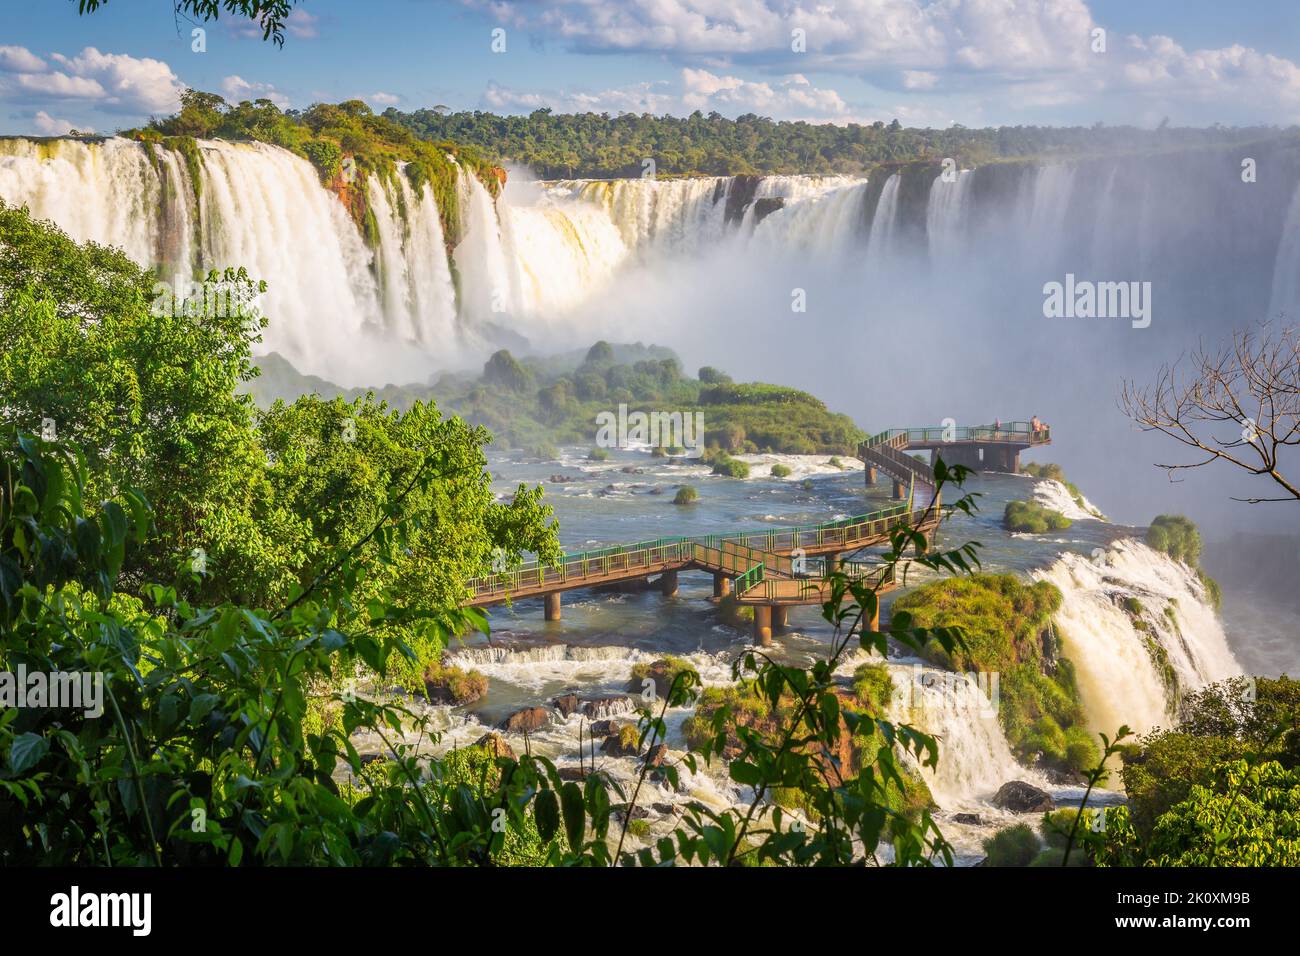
496, 745
567, 704
1020, 797
527, 720
623, 743
602, 707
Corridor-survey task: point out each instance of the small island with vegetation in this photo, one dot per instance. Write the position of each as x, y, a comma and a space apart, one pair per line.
537, 404
1030, 517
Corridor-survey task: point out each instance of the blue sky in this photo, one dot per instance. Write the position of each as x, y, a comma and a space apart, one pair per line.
927, 62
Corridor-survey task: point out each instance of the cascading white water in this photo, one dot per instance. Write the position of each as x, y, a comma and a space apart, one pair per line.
946, 216
1285, 298
880, 243
418, 296
264, 208
390, 306
110, 193
1133, 662
974, 759
1054, 495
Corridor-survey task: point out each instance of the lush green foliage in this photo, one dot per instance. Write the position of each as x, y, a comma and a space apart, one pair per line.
270, 15
1009, 631
246, 504
1177, 536
341, 140
1243, 816
1220, 724
686, 495
600, 146
728, 467
1016, 845
532, 402
1032, 517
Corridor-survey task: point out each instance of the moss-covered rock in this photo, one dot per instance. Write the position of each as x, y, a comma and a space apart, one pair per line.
661, 672
447, 684
1033, 518
686, 495
1008, 630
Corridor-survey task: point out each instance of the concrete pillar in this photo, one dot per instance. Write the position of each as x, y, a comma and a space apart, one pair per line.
871, 474
832, 562
721, 585
778, 617
763, 625
874, 623
553, 606
668, 583
900, 491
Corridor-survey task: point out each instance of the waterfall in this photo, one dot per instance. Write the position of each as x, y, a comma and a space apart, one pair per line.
415, 280
974, 758
1138, 628
946, 217
110, 193
880, 243
1285, 297
537, 268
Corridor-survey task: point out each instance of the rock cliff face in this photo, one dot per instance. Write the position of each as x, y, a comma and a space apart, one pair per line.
740, 193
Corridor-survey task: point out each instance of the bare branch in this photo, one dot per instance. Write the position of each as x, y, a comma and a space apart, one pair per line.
1253, 384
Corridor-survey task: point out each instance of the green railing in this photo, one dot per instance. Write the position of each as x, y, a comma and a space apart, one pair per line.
749, 580
1007, 431
608, 560
775, 590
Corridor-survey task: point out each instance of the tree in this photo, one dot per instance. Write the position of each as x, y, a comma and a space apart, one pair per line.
1239, 404
270, 15
150, 388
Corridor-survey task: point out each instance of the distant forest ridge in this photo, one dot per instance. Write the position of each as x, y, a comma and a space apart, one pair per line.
600, 146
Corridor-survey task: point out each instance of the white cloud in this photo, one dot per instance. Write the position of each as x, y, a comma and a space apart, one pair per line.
382, 99
58, 85
237, 89
18, 59
788, 97
302, 24
1020, 53
118, 81
47, 125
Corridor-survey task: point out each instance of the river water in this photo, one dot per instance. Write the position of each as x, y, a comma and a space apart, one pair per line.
601, 635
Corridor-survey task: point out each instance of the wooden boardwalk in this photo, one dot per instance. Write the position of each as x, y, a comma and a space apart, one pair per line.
767, 569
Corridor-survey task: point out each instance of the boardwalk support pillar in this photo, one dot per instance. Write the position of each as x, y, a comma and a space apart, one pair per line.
668, 583
763, 625
778, 617
874, 623
721, 585
900, 491
832, 563
553, 606
871, 474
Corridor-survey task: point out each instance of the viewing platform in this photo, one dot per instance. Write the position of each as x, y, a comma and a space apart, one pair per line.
994, 447
770, 569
